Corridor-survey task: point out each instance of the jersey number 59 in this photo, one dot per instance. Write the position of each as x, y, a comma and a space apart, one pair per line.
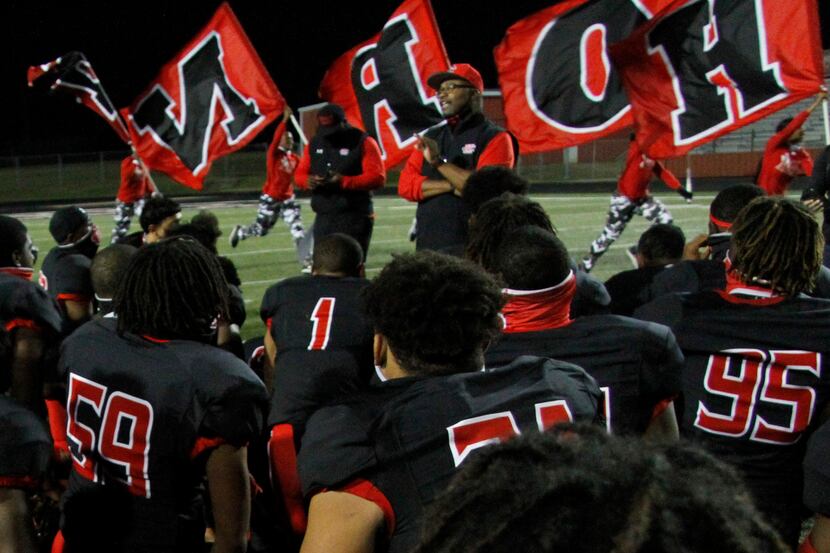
114, 428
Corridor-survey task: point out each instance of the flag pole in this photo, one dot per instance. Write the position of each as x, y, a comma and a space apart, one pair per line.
826, 117
294, 122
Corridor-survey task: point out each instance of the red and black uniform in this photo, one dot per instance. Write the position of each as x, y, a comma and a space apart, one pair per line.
755, 381
782, 162
133, 191
25, 446
25, 304
470, 143
345, 207
636, 364
324, 343
143, 413
399, 444
65, 275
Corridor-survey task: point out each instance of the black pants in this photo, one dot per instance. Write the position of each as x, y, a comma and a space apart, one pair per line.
357, 225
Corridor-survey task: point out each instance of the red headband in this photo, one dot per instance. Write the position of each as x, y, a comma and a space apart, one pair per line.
718, 222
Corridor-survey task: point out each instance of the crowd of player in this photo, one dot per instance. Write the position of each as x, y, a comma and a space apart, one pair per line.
135, 419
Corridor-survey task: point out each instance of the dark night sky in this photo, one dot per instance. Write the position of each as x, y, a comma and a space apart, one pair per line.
128, 41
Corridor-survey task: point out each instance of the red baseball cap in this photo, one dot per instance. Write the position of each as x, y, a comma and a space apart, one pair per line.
462, 71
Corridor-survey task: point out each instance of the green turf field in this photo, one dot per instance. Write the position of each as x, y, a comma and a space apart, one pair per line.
263, 261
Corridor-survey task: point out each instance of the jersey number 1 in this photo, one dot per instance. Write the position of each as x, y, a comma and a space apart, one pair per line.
118, 433
322, 316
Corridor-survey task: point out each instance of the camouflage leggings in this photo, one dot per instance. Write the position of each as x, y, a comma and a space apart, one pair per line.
620, 212
268, 212
124, 213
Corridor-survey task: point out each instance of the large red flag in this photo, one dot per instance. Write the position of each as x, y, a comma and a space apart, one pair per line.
72, 73
559, 86
210, 100
701, 69
381, 82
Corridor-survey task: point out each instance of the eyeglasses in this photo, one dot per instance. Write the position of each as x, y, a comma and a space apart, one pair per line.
452, 86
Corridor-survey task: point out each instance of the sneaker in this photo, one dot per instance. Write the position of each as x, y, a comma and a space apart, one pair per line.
306, 270
413, 230
586, 264
236, 236
631, 252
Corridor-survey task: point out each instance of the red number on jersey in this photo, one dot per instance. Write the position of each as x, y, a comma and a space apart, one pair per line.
768, 371
322, 316
470, 434
122, 436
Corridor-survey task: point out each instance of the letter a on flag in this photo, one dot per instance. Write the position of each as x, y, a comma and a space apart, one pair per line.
380, 82
210, 100
701, 68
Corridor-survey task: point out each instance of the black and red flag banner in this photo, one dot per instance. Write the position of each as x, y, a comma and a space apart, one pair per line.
72, 73
381, 82
701, 69
558, 84
210, 100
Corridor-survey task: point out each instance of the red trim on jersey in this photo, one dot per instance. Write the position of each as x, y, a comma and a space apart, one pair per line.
22, 323
368, 491
283, 459
56, 412
661, 406
719, 223
528, 311
203, 444
73, 297
807, 546
21, 272
18, 482
153, 339
739, 292
58, 543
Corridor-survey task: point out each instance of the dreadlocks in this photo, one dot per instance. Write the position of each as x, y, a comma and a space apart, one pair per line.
172, 289
495, 219
777, 242
578, 489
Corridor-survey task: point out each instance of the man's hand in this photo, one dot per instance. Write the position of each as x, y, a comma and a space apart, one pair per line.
820, 97
429, 148
815, 205
316, 180
697, 248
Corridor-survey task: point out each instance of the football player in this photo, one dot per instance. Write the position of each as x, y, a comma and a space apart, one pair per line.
636, 364
370, 464
154, 407
755, 376
158, 217
29, 316
65, 270
320, 345
107, 272
817, 491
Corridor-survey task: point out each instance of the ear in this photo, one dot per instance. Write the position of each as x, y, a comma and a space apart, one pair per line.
17, 258
361, 270
641, 261
379, 350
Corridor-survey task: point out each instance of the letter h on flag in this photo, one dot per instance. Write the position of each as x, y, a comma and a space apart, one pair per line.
210, 100
380, 82
703, 68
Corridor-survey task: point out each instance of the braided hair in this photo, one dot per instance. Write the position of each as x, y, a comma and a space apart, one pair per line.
495, 219
173, 289
577, 489
437, 312
778, 242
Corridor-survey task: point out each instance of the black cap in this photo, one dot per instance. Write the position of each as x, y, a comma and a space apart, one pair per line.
65, 221
331, 114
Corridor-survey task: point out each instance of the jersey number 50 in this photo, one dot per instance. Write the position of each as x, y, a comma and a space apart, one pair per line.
768, 371
116, 430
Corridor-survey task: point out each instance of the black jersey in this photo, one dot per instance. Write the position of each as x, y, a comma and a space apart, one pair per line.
407, 436
142, 412
25, 446
65, 275
324, 343
636, 364
817, 472
24, 304
755, 380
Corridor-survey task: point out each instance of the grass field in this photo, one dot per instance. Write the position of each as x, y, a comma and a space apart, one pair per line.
263, 261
